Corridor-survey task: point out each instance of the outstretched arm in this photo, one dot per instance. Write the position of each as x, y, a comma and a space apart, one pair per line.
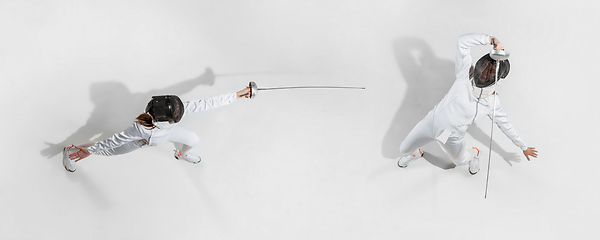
214, 102
244, 93
530, 151
132, 133
507, 128
79, 155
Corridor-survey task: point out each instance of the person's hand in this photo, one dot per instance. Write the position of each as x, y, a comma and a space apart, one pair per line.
496, 43
530, 151
244, 93
79, 155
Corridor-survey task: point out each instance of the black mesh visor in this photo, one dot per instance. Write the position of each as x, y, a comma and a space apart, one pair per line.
485, 71
166, 108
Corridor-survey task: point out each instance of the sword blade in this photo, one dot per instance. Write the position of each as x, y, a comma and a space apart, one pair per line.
307, 87
487, 179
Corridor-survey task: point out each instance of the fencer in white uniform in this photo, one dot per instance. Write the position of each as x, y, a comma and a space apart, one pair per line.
138, 136
458, 110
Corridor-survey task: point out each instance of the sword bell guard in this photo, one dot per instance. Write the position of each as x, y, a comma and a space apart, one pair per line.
253, 89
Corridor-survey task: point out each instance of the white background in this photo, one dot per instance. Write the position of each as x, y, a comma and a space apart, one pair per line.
293, 164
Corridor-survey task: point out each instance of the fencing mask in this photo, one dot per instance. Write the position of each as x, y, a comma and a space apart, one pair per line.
165, 110
484, 75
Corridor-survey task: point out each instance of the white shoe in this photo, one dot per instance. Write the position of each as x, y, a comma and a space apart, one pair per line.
190, 157
404, 160
474, 163
67, 162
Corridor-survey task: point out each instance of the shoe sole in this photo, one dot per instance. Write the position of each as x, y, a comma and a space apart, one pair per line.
401, 166
64, 155
422, 153
186, 160
478, 151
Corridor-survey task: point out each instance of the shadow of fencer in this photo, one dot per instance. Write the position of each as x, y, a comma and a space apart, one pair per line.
478, 134
428, 78
115, 109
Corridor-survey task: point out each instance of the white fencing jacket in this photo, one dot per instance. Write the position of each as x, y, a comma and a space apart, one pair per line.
137, 132
456, 110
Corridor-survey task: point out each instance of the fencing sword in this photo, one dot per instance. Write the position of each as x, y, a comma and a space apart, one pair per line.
498, 55
254, 89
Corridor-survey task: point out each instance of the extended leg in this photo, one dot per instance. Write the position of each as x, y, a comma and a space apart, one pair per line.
455, 147
410, 147
189, 139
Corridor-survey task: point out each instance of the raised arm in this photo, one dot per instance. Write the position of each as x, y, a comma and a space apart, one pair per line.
463, 59
496, 43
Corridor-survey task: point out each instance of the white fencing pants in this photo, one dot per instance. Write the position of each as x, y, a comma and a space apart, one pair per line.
425, 131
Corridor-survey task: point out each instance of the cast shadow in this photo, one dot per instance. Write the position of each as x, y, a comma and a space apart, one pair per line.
428, 78
484, 139
115, 108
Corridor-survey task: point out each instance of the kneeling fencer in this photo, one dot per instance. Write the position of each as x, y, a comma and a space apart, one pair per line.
156, 125
472, 95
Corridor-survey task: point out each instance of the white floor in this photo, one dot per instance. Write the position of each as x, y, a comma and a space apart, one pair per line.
293, 164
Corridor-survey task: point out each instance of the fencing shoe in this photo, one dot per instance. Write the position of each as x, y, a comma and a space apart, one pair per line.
404, 160
190, 157
474, 163
67, 162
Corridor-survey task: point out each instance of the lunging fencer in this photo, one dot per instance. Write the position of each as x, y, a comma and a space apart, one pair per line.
156, 125
472, 95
